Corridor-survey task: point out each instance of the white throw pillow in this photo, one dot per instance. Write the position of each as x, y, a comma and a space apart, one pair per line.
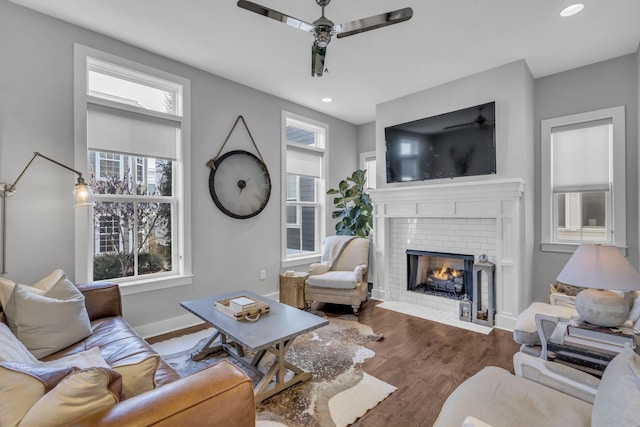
6, 285
138, 374
80, 394
6, 289
616, 402
38, 395
48, 318
11, 349
21, 386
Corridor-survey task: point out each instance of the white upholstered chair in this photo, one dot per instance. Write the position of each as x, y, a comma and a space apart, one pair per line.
342, 276
547, 394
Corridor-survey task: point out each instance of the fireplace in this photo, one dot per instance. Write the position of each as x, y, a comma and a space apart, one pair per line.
474, 217
439, 273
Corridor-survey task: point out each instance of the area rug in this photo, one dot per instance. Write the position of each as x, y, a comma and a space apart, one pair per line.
433, 315
339, 392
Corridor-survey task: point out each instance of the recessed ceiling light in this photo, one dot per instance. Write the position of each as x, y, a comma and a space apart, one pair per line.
571, 10
327, 99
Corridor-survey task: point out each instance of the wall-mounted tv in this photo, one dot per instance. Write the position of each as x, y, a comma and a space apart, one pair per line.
459, 143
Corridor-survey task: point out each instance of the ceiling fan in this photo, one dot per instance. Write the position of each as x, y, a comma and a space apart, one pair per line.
323, 29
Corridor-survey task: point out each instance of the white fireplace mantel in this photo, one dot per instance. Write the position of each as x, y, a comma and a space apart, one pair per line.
499, 201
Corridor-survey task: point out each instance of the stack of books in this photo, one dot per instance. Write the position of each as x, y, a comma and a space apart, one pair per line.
597, 337
592, 354
241, 304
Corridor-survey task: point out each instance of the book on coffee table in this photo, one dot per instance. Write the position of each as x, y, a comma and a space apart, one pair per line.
241, 303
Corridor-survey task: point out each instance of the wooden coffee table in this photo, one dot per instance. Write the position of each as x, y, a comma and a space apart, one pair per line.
274, 332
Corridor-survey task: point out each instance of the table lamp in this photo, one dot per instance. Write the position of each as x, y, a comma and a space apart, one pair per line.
601, 269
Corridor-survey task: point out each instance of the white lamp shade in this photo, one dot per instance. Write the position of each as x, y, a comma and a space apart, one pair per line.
600, 267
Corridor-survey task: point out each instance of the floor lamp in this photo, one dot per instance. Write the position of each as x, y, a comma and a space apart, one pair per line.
82, 194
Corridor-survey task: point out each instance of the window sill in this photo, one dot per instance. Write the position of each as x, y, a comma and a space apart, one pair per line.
154, 284
569, 247
301, 261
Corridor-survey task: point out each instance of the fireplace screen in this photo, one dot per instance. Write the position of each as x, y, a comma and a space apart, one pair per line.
442, 274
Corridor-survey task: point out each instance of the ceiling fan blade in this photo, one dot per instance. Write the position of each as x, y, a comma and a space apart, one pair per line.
373, 22
274, 14
317, 59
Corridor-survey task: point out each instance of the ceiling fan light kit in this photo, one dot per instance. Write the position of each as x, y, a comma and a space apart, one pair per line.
323, 29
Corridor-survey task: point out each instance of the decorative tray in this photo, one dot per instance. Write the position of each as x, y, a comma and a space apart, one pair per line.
251, 314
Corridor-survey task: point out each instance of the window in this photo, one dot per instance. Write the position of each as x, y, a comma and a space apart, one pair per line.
583, 180
304, 150
109, 238
133, 132
368, 162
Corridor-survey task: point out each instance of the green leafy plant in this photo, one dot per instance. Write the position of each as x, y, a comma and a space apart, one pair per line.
353, 206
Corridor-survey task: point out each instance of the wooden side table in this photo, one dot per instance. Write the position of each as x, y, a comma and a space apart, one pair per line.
292, 289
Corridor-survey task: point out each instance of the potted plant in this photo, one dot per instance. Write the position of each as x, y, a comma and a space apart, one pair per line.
353, 208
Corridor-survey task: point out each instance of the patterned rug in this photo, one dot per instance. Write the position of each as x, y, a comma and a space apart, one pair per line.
339, 392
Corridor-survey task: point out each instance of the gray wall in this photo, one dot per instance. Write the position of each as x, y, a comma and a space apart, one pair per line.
606, 84
36, 114
367, 137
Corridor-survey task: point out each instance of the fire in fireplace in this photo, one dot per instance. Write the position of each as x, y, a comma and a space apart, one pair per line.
438, 273
446, 279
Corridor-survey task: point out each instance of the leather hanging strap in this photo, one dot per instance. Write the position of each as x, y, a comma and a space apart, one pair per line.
211, 163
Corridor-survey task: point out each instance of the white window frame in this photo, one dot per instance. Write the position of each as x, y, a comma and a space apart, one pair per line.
365, 157
321, 197
181, 229
616, 210
297, 223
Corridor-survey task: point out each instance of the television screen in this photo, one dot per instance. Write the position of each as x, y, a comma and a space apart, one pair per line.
459, 143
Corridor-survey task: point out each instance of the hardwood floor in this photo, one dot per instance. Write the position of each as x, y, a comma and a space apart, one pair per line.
425, 360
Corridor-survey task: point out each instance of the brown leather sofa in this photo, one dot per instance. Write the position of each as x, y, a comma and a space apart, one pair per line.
221, 395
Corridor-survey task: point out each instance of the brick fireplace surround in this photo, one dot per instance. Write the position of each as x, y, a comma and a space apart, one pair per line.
477, 217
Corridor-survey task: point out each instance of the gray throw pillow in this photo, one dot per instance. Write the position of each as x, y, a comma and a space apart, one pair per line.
618, 394
48, 321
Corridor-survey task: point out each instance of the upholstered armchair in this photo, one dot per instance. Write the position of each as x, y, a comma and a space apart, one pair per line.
342, 276
547, 394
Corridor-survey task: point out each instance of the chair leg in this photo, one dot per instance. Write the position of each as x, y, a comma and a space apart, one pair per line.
355, 309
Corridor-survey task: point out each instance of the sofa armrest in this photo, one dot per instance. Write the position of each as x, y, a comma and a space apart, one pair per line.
557, 376
102, 299
474, 422
221, 395
317, 268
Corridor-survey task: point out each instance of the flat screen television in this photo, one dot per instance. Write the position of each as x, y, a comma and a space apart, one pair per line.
459, 143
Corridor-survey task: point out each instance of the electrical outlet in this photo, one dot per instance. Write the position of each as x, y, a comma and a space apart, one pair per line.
263, 274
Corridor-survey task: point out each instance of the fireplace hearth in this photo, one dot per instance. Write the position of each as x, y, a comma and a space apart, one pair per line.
441, 274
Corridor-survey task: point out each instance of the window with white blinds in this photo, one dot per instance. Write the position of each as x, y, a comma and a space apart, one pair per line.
111, 129
581, 156
134, 131
304, 150
583, 180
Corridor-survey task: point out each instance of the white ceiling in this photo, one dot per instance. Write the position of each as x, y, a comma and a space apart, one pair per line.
445, 40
